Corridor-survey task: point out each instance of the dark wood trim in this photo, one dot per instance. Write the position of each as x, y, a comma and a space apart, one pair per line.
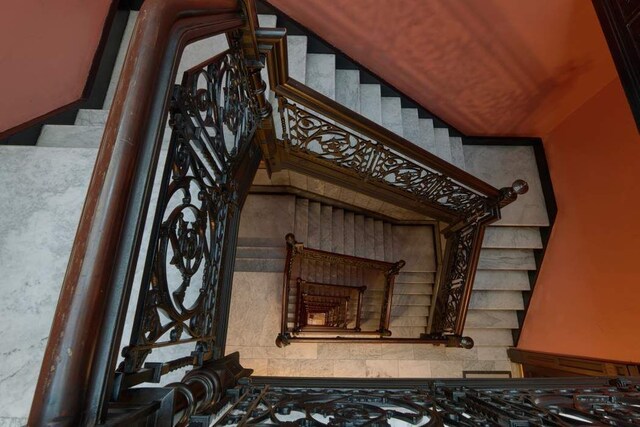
549, 200
95, 88
620, 22
317, 44
536, 364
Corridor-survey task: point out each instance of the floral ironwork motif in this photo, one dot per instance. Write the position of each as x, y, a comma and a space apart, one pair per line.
213, 117
434, 404
449, 297
314, 136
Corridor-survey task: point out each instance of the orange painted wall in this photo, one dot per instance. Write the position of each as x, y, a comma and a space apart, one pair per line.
492, 67
587, 298
46, 52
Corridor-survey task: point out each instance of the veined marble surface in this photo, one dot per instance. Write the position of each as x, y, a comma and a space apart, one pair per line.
42, 198
500, 166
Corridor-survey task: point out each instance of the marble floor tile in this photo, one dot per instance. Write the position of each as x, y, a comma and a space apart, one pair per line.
414, 369
500, 166
381, 368
349, 369
301, 351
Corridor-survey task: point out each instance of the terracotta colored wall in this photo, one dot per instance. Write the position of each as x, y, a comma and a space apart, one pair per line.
493, 67
587, 299
46, 52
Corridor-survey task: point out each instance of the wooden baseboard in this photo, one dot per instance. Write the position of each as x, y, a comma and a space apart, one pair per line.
539, 365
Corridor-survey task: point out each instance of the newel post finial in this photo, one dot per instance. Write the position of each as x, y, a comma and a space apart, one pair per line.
509, 194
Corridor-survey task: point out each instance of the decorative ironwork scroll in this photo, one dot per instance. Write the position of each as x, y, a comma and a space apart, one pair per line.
437, 403
452, 290
323, 141
213, 116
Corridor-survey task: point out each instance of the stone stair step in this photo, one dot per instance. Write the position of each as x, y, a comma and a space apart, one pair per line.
503, 280
349, 236
348, 89
259, 265
411, 125
378, 236
414, 244
428, 136
369, 238
419, 321
262, 242
388, 242
443, 148
412, 289
314, 225
409, 310
359, 249
407, 331
320, 73
411, 300
296, 55
261, 252
337, 231
70, 136
86, 117
326, 218
392, 114
301, 227
512, 238
496, 300
267, 21
457, 153
371, 102
506, 259
492, 319
408, 277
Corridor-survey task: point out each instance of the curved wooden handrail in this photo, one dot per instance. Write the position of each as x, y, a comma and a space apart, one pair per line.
272, 43
78, 364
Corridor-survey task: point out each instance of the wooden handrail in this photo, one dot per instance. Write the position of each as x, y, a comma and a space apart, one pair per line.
272, 43
77, 369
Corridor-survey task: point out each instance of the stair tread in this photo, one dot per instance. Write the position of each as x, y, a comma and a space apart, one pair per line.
508, 280
371, 102
411, 125
457, 152
297, 53
348, 89
442, 146
506, 259
320, 73
507, 237
267, 21
392, 114
428, 136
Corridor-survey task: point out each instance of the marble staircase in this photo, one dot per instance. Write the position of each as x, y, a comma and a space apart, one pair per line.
44, 188
318, 225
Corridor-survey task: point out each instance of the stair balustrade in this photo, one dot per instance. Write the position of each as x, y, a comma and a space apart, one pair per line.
332, 284
221, 126
324, 139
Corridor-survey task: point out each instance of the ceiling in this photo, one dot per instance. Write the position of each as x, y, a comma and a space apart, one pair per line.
489, 67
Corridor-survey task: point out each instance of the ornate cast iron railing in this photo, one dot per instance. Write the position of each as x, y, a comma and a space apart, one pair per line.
219, 117
465, 403
323, 138
334, 276
324, 307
